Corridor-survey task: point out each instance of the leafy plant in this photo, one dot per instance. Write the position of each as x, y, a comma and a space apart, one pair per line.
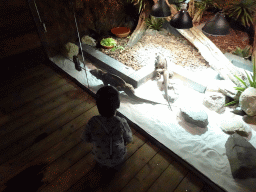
252, 83
117, 47
154, 23
242, 11
108, 42
245, 53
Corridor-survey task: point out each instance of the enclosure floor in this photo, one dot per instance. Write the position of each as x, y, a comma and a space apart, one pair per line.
42, 116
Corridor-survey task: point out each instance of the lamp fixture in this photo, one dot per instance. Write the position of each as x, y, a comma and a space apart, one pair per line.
217, 26
182, 19
160, 9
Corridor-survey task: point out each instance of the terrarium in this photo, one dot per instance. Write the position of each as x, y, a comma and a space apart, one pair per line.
186, 89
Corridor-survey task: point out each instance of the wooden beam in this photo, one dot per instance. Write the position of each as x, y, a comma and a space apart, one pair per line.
212, 54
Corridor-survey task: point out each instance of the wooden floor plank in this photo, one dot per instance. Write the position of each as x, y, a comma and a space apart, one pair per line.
31, 79
20, 79
63, 139
18, 99
190, 183
74, 172
149, 173
15, 147
79, 179
62, 96
28, 107
132, 166
170, 178
12, 137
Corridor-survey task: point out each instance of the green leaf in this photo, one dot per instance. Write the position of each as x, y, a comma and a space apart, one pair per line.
241, 81
232, 103
240, 89
249, 79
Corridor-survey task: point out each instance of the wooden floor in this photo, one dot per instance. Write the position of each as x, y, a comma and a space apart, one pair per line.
42, 116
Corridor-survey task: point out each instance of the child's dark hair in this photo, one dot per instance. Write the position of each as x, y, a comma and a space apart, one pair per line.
107, 101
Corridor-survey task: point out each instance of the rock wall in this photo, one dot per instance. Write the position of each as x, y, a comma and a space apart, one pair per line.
99, 16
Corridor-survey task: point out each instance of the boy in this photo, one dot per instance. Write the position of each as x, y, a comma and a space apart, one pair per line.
109, 133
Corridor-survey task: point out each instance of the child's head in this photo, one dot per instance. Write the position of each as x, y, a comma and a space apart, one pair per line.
107, 101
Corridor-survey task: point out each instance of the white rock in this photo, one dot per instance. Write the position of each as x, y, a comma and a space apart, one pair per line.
214, 101
247, 101
70, 49
88, 40
235, 125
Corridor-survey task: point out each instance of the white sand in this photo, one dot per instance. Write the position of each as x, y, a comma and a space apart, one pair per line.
202, 148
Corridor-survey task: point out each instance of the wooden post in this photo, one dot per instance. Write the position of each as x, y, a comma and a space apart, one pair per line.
254, 39
140, 29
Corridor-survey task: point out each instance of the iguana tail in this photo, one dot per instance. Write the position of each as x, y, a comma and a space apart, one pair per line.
133, 96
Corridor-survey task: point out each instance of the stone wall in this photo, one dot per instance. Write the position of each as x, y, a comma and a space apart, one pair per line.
99, 16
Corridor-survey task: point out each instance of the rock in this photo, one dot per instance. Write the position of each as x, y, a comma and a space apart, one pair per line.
249, 119
195, 115
241, 155
88, 40
238, 111
70, 49
226, 87
235, 125
214, 101
247, 101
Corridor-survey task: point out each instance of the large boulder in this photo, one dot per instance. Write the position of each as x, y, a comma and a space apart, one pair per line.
215, 101
242, 157
247, 101
70, 49
194, 115
235, 125
88, 40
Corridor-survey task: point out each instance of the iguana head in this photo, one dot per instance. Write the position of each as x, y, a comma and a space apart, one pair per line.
97, 73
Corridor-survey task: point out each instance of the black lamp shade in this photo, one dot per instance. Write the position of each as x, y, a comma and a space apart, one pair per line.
182, 20
217, 26
161, 9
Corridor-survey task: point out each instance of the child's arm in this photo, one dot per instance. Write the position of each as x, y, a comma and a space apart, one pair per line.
86, 135
127, 132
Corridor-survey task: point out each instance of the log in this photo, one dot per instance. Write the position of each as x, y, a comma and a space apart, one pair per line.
139, 30
211, 53
254, 39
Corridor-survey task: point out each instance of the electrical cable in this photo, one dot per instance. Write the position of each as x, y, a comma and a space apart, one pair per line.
80, 44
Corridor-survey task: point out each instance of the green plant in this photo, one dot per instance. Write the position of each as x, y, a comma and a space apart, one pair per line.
252, 83
108, 42
245, 53
117, 47
154, 23
242, 10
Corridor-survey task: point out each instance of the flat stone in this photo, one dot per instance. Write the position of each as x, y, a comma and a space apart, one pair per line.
241, 155
195, 115
235, 125
215, 101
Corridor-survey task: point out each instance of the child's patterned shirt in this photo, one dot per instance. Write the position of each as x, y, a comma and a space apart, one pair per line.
109, 137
